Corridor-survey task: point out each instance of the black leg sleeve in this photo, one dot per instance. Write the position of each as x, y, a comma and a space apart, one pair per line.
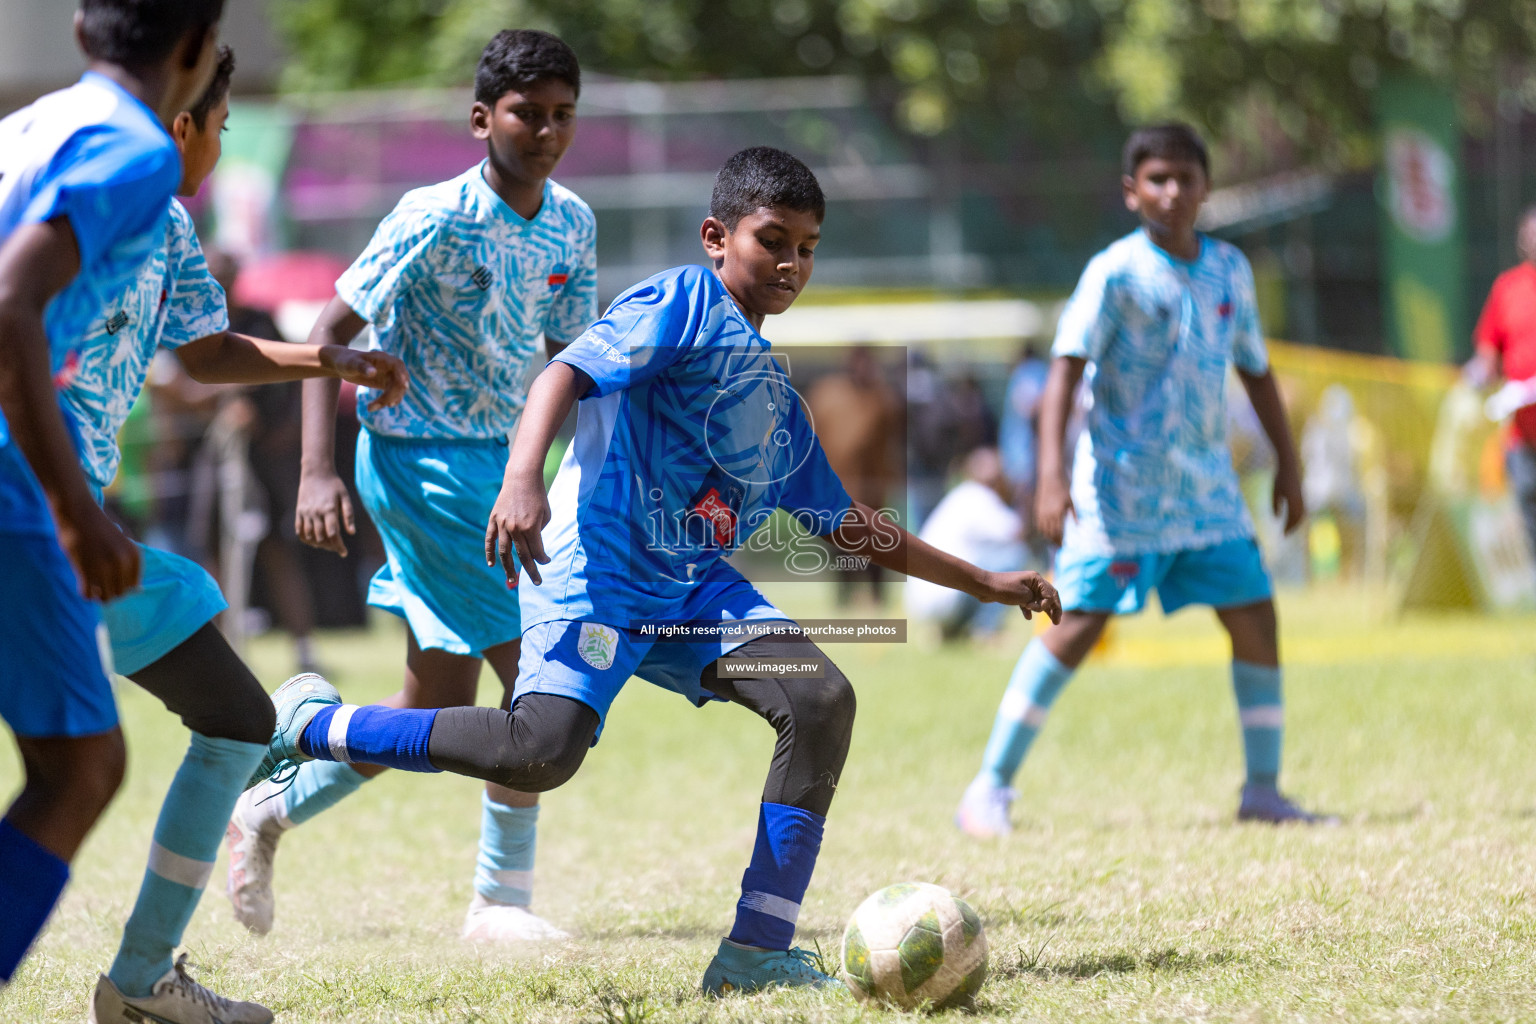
205, 683
535, 747
812, 716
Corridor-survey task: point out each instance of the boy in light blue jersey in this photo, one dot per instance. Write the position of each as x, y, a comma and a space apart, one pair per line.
162, 632
1153, 326
85, 175
689, 437
461, 280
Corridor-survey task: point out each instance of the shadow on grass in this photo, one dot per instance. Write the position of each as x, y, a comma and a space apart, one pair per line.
1026, 963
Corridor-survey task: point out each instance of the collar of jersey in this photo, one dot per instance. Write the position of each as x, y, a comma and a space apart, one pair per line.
97, 78
511, 216
1205, 246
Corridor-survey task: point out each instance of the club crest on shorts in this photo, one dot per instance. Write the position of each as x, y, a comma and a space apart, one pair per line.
597, 644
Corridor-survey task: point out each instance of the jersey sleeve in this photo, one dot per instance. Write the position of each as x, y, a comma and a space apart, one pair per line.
646, 330
576, 306
1489, 334
400, 254
109, 186
1088, 322
196, 306
1249, 353
812, 492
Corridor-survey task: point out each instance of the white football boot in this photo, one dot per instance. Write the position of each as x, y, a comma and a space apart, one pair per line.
984, 810
175, 999
254, 829
487, 921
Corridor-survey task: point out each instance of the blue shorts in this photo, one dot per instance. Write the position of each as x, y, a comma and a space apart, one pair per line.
591, 661
1226, 575
53, 663
176, 598
431, 500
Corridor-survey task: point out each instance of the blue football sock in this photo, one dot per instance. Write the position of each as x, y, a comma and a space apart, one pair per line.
392, 737
1037, 679
1261, 711
504, 867
788, 840
31, 879
192, 822
318, 786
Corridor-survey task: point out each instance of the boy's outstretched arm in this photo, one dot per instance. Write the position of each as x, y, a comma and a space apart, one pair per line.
864, 532
229, 358
324, 506
522, 508
1053, 496
36, 263
1269, 406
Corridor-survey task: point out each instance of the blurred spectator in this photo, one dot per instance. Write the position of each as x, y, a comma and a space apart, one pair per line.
973, 423
273, 414
858, 420
1018, 430
930, 444
1330, 479
1505, 337
975, 521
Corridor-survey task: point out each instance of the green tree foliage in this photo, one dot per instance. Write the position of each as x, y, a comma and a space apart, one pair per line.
1297, 74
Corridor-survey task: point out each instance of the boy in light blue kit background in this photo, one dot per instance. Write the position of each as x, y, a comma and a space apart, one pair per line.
1153, 502
461, 281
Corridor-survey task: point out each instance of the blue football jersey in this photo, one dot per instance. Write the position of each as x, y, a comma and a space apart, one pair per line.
1152, 471
98, 156
462, 289
173, 300
689, 439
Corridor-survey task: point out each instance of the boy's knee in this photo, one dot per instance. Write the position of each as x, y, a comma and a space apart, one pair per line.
827, 707
544, 767
245, 716
85, 774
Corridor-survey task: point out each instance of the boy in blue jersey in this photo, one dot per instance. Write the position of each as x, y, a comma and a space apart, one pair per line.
162, 632
689, 437
460, 281
85, 175
1154, 502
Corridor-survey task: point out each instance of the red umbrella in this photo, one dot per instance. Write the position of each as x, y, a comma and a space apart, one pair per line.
269, 281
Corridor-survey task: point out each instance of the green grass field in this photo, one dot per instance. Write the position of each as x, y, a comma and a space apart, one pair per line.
1127, 893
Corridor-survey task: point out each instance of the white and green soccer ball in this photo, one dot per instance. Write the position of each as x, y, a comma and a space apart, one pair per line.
914, 944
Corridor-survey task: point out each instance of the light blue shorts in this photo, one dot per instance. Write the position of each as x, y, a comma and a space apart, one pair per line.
1226, 575
431, 500
591, 661
53, 675
176, 598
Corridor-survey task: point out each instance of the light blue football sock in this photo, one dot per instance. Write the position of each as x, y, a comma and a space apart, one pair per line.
504, 867
1032, 689
373, 734
318, 786
1261, 711
31, 879
192, 822
788, 840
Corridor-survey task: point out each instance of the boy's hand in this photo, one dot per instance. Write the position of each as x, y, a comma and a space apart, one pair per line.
1287, 496
1052, 505
106, 560
1027, 590
516, 527
324, 510
368, 369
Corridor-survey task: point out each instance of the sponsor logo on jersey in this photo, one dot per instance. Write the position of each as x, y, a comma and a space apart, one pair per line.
1225, 309
597, 644
559, 277
68, 372
1124, 571
117, 321
481, 277
717, 511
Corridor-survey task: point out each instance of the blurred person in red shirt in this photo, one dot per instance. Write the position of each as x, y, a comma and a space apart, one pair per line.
1505, 337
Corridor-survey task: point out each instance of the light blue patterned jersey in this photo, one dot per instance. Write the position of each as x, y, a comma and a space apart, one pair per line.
688, 440
174, 300
1152, 471
97, 156
462, 288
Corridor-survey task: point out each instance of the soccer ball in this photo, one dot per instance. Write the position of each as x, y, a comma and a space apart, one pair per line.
914, 944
